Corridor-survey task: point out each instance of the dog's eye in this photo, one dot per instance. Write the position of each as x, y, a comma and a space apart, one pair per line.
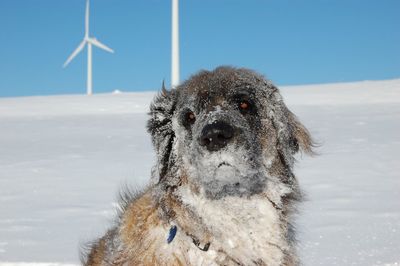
189, 118
244, 106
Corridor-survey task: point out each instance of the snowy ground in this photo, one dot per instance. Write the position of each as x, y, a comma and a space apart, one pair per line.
63, 159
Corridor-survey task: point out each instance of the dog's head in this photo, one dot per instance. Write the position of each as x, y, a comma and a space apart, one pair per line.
227, 131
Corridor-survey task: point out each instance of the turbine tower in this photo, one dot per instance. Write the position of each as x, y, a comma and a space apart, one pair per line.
89, 41
175, 44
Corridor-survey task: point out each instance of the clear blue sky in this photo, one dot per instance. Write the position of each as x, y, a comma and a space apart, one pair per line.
292, 42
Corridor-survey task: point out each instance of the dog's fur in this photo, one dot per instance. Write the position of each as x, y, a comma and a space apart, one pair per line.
230, 201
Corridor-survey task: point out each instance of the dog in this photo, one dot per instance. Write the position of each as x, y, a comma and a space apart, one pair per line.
224, 190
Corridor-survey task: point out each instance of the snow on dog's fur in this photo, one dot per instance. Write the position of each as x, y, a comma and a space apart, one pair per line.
224, 189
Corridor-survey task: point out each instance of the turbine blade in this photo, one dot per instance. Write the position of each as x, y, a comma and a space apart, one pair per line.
95, 42
87, 19
74, 53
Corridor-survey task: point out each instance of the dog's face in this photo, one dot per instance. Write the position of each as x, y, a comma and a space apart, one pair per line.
229, 130
218, 128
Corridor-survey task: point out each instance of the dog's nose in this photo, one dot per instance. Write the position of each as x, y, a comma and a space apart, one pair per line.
215, 136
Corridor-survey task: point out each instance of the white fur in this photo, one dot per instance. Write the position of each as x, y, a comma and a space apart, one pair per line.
247, 229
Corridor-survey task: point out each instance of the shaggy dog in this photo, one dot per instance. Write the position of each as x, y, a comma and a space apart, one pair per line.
224, 190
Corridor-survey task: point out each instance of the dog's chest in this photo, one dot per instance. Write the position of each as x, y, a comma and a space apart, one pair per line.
248, 231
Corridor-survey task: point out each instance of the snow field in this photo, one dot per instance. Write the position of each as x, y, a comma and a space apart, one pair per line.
63, 160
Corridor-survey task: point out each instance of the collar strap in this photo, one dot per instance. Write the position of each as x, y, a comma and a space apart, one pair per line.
172, 233
197, 243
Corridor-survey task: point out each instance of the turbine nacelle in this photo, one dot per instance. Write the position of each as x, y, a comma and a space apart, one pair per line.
97, 43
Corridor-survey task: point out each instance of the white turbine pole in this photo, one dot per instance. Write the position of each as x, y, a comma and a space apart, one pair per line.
175, 44
89, 84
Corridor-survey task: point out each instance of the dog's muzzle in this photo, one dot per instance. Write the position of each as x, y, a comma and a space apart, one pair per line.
216, 135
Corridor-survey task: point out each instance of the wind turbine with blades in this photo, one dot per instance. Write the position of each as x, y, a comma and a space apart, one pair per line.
89, 41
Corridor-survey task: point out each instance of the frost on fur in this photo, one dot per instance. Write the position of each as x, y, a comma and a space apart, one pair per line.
160, 128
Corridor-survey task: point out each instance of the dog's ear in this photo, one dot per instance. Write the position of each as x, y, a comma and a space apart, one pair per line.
292, 135
160, 127
301, 138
